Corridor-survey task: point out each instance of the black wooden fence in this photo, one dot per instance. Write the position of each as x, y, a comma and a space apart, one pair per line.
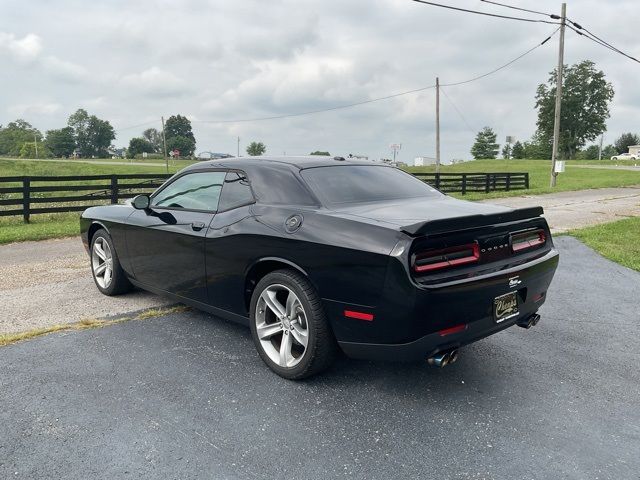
28, 196
475, 182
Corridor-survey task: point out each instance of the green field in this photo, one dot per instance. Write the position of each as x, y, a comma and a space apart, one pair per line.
617, 241
58, 225
539, 173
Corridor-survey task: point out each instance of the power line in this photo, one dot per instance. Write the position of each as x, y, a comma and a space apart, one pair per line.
471, 129
594, 38
372, 100
136, 126
550, 15
477, 12
511, 62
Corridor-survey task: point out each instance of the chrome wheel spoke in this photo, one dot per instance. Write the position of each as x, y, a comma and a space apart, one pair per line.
99, 251
292, 304
101, 268
269, 297
300, 335
286, 356
266, 331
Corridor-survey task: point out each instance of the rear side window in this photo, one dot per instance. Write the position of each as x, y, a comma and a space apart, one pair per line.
194, 191
235, 192
279, 186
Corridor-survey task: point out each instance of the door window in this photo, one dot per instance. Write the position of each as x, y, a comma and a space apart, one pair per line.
194, 191
236, 191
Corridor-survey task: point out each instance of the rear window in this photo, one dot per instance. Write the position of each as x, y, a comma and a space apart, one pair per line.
337, 185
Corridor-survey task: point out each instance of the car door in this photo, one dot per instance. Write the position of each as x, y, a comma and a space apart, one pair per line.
166, 241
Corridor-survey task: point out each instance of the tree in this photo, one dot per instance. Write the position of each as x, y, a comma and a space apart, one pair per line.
15, 135
625, 140
585, 107
517, 151
154, 137
93, 136
180, 135
60, 142
506, 151
256, 149
318, 152
139, 145
609, 151
589, 153
485, 146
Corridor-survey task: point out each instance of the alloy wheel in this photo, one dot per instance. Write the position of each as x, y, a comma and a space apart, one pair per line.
281, 325
102, 262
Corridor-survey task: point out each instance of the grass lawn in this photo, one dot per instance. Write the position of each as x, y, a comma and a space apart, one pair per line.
617, 241
56, 225
539, 173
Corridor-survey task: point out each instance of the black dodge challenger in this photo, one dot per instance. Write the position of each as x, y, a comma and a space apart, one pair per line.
321, 254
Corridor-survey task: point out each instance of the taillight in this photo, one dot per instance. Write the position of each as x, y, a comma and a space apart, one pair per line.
528, 240
445, 258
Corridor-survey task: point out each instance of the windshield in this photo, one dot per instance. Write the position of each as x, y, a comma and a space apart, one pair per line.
336, 185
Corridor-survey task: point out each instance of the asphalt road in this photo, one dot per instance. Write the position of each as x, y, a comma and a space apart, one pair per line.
186, 396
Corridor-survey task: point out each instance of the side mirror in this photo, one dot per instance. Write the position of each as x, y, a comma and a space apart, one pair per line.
141, 202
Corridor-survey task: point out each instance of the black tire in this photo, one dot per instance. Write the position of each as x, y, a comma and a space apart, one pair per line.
119, 283
321, 348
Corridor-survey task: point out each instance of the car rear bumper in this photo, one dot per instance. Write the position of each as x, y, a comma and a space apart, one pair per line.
427, 346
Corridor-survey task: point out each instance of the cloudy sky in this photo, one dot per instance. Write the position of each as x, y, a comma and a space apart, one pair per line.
132, 61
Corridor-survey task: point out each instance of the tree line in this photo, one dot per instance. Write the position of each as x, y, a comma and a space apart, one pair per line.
586, 98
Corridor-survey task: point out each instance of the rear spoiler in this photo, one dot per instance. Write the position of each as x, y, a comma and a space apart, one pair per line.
434, 227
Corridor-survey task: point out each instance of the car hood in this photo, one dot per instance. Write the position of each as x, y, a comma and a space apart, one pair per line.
399, 213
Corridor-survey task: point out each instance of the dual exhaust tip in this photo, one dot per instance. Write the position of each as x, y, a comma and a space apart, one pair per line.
443, 359
448, 357
529, 321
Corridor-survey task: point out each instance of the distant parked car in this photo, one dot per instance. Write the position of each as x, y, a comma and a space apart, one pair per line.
624, 156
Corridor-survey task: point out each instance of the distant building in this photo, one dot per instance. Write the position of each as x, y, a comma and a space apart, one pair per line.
634, 150
422, 161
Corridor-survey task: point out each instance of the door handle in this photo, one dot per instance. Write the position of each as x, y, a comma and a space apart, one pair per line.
197, 226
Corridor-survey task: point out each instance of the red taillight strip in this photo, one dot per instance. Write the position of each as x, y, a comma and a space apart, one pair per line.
452, 330
368, 317
474, 257
526, 243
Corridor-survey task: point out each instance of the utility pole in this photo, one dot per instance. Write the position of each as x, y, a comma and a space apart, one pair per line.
556, 123
437, 125
600, 149
238, 154
164, 146
35, 138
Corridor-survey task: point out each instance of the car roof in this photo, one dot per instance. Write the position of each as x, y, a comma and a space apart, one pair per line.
297, 162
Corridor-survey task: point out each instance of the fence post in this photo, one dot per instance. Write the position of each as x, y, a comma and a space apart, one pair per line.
464, 184
114, 189
526, 180
508, 181
486, 183
26, 199
437, 180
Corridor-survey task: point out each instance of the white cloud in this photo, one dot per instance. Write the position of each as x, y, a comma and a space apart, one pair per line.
34, 109
25, 49
64, 70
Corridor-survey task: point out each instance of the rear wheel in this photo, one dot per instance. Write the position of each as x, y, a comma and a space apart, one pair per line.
105, 266
289, 327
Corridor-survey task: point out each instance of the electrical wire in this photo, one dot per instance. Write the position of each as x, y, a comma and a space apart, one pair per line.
471, 129
372, 100
511, 62
550, 15
136, 126
583, 32
477, 12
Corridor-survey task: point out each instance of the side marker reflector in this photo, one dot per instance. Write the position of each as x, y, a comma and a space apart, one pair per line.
367, 317
452, 330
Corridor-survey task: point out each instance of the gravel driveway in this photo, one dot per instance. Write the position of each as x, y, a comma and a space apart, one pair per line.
186, 396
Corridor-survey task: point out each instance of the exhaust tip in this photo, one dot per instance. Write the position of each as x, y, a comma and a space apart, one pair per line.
443, 359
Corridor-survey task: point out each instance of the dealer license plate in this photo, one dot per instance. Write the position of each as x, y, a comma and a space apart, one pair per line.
505, 307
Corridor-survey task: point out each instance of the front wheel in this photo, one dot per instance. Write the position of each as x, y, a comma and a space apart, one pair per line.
289, 327
105, 266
